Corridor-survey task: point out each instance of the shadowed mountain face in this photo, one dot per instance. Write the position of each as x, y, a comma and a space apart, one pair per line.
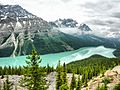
20, 31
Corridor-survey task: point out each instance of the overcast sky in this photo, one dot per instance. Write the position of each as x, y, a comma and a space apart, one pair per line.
98, 14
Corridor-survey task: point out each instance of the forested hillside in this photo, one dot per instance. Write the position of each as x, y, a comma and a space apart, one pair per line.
65, 75
93, 66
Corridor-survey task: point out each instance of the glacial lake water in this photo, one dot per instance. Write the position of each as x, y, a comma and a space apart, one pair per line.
52, 59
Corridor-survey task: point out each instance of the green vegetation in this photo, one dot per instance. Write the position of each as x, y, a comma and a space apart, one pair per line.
64, 87
93, 66
34, 77
73, 82
103, 87
48, 69
58, 77
11, 70
64, 76
117, 52
106, 80
117, 86
79, 84
20, 70
61, 78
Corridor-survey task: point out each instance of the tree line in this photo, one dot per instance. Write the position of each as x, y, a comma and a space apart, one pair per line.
34, 75
62, 79
91, 67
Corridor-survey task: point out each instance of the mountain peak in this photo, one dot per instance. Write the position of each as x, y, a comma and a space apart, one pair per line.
14, 11
65, 22
16, 15
84, 27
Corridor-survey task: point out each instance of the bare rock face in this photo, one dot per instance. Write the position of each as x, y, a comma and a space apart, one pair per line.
16, 29
116, 69
110, 73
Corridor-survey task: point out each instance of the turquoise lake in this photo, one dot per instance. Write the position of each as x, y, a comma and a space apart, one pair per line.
69, 56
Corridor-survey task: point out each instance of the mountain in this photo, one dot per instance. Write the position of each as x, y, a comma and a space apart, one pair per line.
84, 27
69, 23
64, 23
86, 34
20, 31
70, 26
16, 28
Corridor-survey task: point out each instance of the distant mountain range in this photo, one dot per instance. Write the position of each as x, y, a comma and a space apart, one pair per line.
64, 23
69, 23
20, 31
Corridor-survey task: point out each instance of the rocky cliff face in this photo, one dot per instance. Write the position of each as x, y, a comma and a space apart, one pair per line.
16, 29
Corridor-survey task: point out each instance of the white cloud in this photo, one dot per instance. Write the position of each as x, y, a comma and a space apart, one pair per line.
53, 9
80, 10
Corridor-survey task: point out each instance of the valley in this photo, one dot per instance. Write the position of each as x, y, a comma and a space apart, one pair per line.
20, 31
61, 54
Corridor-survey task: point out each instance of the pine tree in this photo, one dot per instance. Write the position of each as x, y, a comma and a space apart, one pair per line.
79, 84
64, 87
77, 71
64, 76
9, 70
58, 77
7, 85
83, 78
86, 81
48, 69
64, 79
98, 87
73, 83
13, 71
34, 77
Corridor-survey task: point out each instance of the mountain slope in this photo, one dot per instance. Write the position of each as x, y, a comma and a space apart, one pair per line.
20, 31
86, 35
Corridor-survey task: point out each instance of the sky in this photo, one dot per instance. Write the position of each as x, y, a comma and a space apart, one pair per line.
100, 15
